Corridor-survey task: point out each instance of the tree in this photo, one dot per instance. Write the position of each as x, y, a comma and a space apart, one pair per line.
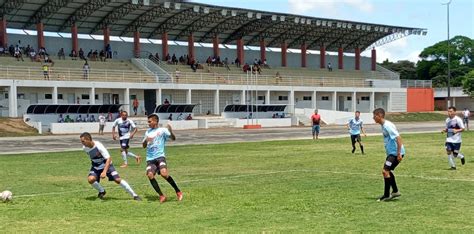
406, 69
468, 83
433, 65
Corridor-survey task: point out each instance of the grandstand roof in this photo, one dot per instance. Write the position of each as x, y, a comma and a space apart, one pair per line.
180, 18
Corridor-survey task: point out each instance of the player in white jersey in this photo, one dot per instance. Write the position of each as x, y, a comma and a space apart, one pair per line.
454, 127
466, 114
355, 127
154, 142
102, 166
126, 131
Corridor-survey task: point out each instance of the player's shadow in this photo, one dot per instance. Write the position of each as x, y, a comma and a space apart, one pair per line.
94, 198
375, 199
152, 197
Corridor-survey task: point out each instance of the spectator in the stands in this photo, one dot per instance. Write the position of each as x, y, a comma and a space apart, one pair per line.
73, 54
181, 60
265, 64
177, 75
168, 58
246, 67
95, 55
166, 102
237, 62
189, 117
68, 119
174, 60
329, 67
61, 54
92, 119
170, 118
86, 70
81, 54
180, 116
102, 55
18, 54
157, 57
46, 71
226, 64
89, 55
42, 52
60, 119
33, 56
108, 51
209, 61
79, 119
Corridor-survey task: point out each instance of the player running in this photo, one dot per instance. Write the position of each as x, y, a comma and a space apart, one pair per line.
102, 166
454, 127
124, 127
395, 152
355, 127
154, 142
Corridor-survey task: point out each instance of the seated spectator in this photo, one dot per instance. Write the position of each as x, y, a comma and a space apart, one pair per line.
79, 119
166, 102
61, 54
102, 55
92, 118
95, 55
81, 54
68, 119
60, 119
174, 60
237, 62
189, 117
33, 56
89, 55
282, 115
170, 118
226, 64
265, 65
18, 54
11, 50
73, 54
2, 50
246, 68
42, 52
209, 61
180, 117
157, 57
181, 60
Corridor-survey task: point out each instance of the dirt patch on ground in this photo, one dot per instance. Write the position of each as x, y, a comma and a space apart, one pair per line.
15, 127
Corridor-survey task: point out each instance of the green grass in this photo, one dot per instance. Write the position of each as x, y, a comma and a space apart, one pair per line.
416, 116
279, 186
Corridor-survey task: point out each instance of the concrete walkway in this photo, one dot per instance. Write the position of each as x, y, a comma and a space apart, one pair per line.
57, 143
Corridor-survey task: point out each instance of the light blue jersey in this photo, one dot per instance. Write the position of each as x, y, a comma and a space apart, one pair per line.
156, 138
390, 133
355, 126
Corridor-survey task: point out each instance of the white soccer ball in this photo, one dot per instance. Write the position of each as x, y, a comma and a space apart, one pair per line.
6, 196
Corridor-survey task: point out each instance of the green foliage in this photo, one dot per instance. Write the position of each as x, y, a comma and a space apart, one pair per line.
406, 69
468, 83
434, 61
298, 186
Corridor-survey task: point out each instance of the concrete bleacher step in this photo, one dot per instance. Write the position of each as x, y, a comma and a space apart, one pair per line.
220, 123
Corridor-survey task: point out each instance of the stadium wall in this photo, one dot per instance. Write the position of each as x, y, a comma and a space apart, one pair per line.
124, 50
420, 99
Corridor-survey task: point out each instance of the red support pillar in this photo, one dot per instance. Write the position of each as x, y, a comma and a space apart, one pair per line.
191, 46
262, 50
322, 55
303, 55
283, 54
40, 34
75, 41
164, 45
374, 59
3, 33
340, 58
106, 31
136, 44
215, 45
357, 58
240, 50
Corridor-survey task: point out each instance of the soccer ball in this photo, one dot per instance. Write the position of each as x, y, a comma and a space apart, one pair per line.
6, 196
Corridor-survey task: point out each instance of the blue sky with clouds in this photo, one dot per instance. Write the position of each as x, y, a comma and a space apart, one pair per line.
429, 14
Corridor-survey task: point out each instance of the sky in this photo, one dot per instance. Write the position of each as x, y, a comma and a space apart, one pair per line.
429, 14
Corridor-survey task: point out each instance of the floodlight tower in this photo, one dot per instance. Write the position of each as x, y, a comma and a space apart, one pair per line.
449, 55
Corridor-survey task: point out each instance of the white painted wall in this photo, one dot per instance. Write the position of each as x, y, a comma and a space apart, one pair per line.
285, 122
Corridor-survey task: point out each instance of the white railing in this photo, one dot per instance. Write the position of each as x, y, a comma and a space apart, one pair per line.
416, 83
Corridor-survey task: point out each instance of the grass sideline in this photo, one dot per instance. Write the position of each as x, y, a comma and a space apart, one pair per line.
416, 116
296, 186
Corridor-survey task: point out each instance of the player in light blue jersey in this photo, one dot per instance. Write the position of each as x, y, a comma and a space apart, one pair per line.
102, 166
395, 151
154, 142
355, 127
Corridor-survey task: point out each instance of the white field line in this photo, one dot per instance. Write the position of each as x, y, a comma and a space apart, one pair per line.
266, 173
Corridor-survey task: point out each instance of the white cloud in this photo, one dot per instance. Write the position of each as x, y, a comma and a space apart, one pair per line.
395, 51
304, 6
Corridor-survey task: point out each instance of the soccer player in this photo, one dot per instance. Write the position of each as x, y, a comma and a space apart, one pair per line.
454, 127
315, 122
154, 142
124, 127
355, 128
466, 114
395, 152
102, 166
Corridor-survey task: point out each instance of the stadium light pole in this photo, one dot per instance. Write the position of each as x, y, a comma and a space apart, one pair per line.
449, 55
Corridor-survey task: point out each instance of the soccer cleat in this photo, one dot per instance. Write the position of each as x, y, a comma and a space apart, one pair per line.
384, 198
137, 198
162, 198
463, 161
453, 168
138, 159
353, 150
394, 195
101, 195
179, 195
124, 165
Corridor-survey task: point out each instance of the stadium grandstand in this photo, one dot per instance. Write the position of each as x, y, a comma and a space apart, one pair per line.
102, 52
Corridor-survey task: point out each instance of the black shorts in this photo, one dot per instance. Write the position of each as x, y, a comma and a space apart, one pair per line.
391, 162
124, 143
466, 120
453, 147
154, 166
355, 138
112, 174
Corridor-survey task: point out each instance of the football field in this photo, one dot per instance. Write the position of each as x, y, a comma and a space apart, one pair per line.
274, 186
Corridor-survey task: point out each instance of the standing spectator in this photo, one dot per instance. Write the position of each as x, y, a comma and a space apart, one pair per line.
73, 54
101, 124
466, 114
135, 105
108, 51
46, 71
109, 117
81, 54
315, 121
237, 62
177, 75
61, 54
86, 69
329, 67
226, 64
